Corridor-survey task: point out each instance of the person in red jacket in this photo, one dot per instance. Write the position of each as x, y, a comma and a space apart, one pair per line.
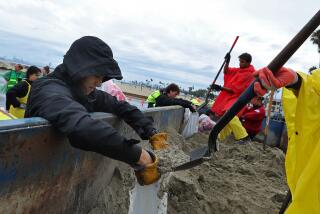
252, 116
236, 80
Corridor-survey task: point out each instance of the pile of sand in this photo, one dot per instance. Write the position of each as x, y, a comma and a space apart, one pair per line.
239, 179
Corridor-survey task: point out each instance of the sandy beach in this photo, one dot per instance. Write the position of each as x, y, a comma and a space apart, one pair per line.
140, 91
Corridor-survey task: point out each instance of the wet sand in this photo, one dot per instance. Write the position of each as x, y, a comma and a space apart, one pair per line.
238, 179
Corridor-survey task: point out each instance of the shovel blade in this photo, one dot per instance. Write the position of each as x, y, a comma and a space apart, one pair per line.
197, 157
198, 153
189, 165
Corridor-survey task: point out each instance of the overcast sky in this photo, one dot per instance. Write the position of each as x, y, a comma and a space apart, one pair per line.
169, 40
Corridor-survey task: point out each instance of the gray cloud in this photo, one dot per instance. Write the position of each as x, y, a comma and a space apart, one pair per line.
181, 41
39, 52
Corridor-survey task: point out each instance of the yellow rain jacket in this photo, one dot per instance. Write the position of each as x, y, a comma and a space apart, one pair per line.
152, 97
5, 116
196, 101
302, 114
19, 112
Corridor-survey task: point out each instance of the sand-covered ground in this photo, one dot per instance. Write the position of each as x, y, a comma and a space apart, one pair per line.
238, 179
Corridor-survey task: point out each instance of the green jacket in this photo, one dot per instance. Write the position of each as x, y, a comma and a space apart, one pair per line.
13, 77
151, 100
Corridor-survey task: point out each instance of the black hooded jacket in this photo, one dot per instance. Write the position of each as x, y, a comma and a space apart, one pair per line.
164, 100
58, 99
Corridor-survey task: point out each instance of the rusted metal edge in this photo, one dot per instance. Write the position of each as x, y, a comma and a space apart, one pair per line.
38, 122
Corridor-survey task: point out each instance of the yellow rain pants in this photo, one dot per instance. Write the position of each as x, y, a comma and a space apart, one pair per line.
235, 127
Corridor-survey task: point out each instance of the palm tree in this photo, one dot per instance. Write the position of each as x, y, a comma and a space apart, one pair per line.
315, 39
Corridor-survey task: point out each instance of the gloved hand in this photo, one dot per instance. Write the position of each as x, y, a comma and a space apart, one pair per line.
268, 81
216, 87
159, 141
148, 174
227, 58
192, 108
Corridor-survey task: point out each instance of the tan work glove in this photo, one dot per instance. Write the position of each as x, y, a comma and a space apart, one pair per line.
148, 174
159, 141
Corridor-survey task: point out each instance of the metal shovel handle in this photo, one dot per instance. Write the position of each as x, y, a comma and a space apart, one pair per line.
224, 62
216, 77
274, 65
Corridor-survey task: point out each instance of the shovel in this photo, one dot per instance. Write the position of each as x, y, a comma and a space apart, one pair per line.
200, 155
215, 79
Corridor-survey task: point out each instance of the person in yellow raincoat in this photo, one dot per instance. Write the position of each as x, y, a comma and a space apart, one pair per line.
301, 100
18, 95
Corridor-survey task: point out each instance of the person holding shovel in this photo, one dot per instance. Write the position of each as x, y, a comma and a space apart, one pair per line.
66, 97
301, 101
236, 80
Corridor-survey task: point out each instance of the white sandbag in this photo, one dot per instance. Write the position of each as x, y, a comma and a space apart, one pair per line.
144, 199
190, 123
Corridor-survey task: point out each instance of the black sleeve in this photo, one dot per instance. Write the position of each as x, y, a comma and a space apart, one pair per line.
19, 90
164, 100
295, 86
129, 113
70, 117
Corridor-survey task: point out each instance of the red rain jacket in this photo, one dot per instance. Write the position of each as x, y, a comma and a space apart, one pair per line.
252, 118
237, 79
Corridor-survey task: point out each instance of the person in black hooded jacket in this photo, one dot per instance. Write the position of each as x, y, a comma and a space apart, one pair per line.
66, 96
168, 96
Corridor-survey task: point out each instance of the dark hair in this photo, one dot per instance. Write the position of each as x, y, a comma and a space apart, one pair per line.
245, 56
32, 70
20, 66
172, 87
47, 69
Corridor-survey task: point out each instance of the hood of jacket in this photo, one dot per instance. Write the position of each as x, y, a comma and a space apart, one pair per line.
88, 56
